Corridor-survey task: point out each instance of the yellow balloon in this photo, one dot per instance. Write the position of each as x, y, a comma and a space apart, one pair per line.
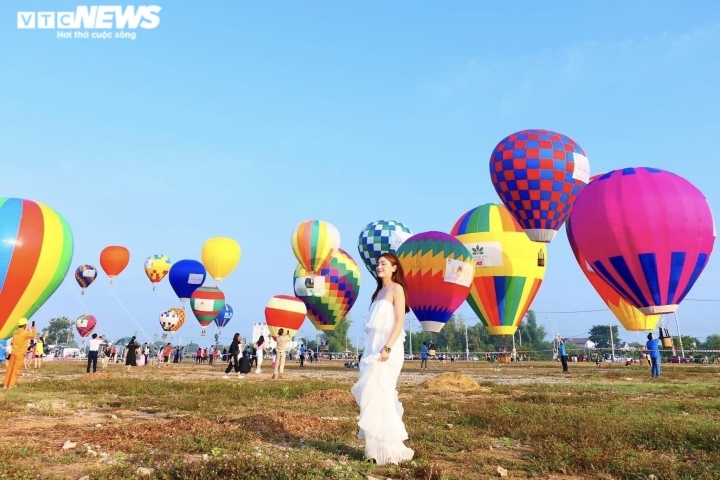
509, 267
220, 256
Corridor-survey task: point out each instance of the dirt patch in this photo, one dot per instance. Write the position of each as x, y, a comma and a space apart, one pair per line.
325, 397
286, 425
452, 382
94, 377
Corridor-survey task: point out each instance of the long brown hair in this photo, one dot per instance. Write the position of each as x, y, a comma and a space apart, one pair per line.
398, 277
236, 338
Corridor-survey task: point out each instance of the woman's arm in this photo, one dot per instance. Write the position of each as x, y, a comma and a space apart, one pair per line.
399, 304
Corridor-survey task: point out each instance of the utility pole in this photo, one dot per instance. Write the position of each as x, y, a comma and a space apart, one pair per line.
677, 324
410, 330
612, 342
467, 346
357, 345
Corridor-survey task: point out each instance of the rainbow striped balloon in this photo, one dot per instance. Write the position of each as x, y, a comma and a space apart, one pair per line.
332, 293
438, 271
509, 267
314, 242
36, 248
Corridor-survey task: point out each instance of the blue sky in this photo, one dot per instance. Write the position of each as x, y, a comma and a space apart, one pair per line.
242, 119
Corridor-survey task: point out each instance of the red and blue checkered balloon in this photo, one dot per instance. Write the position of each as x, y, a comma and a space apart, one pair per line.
537, 175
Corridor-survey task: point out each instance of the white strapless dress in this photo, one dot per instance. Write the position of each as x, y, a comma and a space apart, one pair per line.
375, 392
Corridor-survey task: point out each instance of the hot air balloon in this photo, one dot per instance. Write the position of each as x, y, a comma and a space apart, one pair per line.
156, 267
172, 319
185, 277
439, 272
538, 174
330, 295
180, 312
509, 267
647, 232
220, 256
85, 325
314, 242
382, 236
206, 304
84, 276
286, 312
113, 260
224, 317
36, 247
630, 317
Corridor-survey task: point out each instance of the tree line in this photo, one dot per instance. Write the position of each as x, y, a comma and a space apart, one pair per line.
530, 337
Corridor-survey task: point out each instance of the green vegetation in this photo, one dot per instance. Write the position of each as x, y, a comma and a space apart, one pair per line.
187, 422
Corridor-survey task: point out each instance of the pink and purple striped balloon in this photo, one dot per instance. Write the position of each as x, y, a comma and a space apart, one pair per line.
647, 232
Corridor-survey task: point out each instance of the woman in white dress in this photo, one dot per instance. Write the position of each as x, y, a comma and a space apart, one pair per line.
375, 392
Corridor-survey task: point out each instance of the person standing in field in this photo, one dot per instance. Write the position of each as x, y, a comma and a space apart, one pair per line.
20, 341
39, 352
281, 349
563, 355
423, 356
233, 356
131, 354
380, 422
259, 352
653, 347
93, 352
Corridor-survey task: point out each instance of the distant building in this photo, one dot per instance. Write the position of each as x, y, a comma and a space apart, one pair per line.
582, 343
262, 329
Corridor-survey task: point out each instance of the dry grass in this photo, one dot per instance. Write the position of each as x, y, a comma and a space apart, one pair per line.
464, 419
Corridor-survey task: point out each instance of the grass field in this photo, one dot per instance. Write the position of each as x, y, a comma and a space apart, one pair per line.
187, 422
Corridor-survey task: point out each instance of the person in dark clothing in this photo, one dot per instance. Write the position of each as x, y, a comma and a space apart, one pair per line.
233, 356
131, 352
245, 364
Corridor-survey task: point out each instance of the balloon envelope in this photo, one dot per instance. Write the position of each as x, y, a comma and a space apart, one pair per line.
220, 256
439, 272
330, 295
156, 268
224, 317
382, 236
36, 248
172, 319
85, 325
286, 312
185, 277
314, 242
206, 303
508, 267
538, 174
630, 317
85, 275
113, 260
647, 232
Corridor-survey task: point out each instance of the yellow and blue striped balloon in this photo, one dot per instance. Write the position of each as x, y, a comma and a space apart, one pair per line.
36, 248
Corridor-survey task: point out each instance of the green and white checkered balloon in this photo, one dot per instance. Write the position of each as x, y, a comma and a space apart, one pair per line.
380, 237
